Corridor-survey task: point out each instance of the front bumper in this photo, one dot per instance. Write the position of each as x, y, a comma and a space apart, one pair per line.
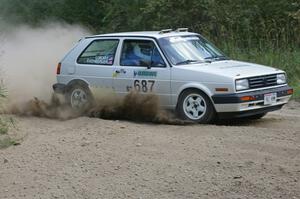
233, 104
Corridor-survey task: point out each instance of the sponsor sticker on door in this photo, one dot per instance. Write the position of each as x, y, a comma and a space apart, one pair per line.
144, 73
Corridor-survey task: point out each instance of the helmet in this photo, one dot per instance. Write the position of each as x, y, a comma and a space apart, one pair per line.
144, 51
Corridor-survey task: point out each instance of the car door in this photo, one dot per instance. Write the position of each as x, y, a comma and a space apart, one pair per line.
95, 63
142, 67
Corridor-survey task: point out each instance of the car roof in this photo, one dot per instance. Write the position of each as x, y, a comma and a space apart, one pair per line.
152, 34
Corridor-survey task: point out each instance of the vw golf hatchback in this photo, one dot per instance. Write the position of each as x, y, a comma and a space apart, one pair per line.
186, 72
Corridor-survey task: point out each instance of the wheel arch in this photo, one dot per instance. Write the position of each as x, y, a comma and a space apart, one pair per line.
81, 82
193, 86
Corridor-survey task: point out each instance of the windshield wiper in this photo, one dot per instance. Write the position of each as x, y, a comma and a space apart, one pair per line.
216, 58
188, 61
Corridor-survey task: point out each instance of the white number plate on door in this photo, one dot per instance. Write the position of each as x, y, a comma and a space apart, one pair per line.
270, 98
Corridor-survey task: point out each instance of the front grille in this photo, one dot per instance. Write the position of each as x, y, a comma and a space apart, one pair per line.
262, 81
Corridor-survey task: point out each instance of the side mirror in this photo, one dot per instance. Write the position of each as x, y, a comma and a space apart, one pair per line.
155, 64
145, 63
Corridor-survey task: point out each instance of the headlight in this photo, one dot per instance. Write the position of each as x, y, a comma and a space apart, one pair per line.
281, 79
241, 84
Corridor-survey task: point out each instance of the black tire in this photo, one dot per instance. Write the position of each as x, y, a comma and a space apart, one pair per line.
256, 117
85, 97
204, 117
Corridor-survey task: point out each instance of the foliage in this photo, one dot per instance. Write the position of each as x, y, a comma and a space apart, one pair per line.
263, 31
289, 61
247, 23
296, 87
3, 127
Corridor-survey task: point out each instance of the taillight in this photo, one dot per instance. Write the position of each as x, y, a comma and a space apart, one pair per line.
58, 68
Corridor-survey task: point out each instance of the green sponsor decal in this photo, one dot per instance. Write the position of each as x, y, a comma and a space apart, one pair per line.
145, 73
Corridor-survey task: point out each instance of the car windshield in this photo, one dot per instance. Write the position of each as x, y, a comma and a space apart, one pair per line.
189, 50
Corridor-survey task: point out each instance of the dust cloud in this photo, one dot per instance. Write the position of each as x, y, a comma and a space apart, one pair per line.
54, 109
28, 60
134, 107
29, 56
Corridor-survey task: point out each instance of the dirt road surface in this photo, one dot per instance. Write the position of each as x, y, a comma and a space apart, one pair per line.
94, 158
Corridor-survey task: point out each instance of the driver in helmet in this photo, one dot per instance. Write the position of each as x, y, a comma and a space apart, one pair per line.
137, 54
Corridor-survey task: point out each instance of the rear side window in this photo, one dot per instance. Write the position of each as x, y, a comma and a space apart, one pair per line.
99, 52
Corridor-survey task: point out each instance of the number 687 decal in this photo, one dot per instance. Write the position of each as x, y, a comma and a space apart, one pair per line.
143, 85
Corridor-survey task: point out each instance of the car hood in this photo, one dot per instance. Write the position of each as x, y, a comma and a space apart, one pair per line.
232, 69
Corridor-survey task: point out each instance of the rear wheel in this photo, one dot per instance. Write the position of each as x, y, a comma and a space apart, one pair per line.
79, 98
195, 106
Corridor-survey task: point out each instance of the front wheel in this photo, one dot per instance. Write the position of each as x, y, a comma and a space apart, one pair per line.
195, 106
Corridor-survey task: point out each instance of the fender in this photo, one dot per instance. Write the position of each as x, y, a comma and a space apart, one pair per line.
193, 85
78, 81
64, 86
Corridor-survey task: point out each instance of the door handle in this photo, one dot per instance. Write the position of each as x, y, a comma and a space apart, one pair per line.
120, 71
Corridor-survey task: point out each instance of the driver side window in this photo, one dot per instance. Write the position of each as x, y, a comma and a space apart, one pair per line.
140, 53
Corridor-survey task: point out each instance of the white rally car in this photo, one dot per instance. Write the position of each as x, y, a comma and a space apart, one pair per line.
186, 72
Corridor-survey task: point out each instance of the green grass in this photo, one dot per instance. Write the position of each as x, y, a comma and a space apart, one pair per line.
296, 94
5, 123
4, 126
7, 142
3, 130
285, 59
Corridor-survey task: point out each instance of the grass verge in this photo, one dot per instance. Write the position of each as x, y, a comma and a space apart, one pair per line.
5, 123
285, 59
3, 127
5, 139
296, 95
7, 142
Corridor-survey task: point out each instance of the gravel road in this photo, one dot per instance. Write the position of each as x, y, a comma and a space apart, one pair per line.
93, 158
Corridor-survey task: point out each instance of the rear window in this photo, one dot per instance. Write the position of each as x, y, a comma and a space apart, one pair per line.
99, 52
